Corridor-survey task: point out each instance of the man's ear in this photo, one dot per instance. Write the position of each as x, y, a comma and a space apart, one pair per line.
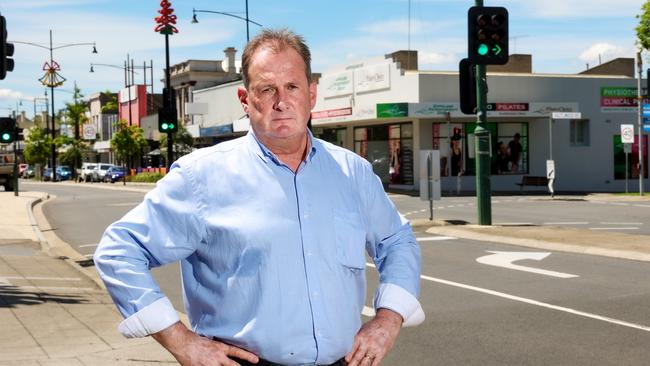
242, 95
313, 87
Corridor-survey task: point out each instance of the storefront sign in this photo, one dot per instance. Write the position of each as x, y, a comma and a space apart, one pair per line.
372, 78
507, 107
566, 115
427, 110
392, 110
216, 130
338, 84
331, 113
619, 99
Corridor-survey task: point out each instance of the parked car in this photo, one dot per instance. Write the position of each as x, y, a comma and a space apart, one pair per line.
100, 172
47, 174
29, 172
114, 174
63, 172
88, 172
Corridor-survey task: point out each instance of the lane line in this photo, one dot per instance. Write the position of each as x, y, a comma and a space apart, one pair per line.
641, 205
613, 228
619, 204
435, 238
514, 223
41, 278
51, 288
123, 204
567, 223
621, 223
534, 302
88, 245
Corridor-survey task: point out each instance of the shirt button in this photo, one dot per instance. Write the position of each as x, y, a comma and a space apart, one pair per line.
306, 215
309, 254
315, 293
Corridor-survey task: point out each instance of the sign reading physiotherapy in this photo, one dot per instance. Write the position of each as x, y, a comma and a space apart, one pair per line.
619, 99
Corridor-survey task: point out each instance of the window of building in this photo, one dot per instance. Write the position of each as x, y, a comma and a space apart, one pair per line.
389, 148
509, 144
579, 134
333, 135
632, 158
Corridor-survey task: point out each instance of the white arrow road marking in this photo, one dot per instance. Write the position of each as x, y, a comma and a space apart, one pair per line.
505, 259
368, 311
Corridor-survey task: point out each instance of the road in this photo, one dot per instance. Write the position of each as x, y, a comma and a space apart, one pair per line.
488, 311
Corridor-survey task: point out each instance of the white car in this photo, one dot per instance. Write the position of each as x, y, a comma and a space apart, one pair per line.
87, 172
100, 172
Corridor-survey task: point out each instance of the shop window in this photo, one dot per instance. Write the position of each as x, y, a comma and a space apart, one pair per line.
632, 158
579, 135
509, 146
389, 148
333, 135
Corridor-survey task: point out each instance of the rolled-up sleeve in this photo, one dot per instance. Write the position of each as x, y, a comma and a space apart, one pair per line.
395, 252
164, 228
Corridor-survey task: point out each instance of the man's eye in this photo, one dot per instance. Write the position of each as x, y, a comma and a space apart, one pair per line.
267, 91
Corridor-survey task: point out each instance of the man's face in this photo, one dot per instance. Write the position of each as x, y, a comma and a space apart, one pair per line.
279, 97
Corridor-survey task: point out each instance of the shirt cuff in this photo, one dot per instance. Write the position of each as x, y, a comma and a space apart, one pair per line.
395, 298
153, 318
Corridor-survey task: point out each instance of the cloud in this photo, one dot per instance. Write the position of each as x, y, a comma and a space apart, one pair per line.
602, 52
574, 8
8, 94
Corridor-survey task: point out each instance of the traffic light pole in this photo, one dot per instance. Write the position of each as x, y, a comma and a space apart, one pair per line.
170, 141
482, 136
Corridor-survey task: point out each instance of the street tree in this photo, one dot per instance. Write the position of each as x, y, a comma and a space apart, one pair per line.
38, 146
111, 106
183, 142
643, 29
127, 142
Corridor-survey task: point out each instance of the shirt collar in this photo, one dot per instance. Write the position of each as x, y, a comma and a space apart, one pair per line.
267, 155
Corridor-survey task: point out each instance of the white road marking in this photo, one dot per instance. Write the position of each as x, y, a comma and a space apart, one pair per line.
613, 228
514, 223
641, 205
567, 223
534, 302
621, 223
368, 311
619, 204
598, 202
55, 288
129, 204
88, 245
41, 278
435, 238
506, 259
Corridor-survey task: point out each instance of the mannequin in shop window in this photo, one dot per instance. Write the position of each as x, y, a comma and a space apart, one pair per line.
456, 153
395, 164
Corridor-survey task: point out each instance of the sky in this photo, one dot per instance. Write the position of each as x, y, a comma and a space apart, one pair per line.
563, 36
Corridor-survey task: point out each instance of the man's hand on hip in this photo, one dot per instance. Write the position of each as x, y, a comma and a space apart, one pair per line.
375, 339
191, 349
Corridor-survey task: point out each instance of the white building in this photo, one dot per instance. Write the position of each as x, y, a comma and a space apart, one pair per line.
386, 110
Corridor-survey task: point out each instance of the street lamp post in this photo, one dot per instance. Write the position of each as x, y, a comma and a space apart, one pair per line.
51, 82
246, 19
129, 71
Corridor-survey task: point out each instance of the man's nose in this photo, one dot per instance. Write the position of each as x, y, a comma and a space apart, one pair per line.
280, 102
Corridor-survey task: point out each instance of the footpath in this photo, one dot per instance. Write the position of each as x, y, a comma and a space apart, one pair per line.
55, 312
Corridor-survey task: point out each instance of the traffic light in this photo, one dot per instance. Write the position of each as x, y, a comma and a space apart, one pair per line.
7, 130
167, 121
467, 78
6, 50
487, 32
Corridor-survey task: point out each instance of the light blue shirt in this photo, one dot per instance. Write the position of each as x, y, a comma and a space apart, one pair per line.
272, 261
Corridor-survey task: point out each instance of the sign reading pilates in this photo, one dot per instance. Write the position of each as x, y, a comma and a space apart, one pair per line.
618, 99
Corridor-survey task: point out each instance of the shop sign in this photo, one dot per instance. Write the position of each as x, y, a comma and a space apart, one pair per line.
216, 130
392, 110
338, 84
618, 99
372, 78
331, 113
424, 110
546, 109
507, 107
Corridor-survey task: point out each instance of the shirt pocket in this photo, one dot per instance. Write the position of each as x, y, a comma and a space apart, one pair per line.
350, 239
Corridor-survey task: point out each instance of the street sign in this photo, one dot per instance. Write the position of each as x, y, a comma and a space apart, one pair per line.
550, 169
646, 128
566, 115
627, 134
89, 131
627, 148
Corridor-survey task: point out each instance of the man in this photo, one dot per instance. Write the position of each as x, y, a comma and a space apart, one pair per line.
270, 230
